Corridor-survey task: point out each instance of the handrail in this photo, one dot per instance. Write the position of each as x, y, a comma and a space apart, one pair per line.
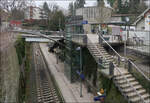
137, 36
96, 48
110, 46
121, 73
137, 68
131, 86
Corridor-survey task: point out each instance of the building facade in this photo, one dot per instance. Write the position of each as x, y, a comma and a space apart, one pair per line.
143, 21
33, 13
94, 16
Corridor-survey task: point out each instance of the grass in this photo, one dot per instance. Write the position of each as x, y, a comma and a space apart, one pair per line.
113, 95
23, 50
28, 54
144, 82
20, 48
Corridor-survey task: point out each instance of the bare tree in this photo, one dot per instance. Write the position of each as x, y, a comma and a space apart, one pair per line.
8, 5
15, 8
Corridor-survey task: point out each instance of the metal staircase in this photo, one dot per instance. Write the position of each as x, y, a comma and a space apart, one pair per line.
127, 84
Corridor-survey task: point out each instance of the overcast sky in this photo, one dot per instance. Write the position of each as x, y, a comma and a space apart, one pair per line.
63, 3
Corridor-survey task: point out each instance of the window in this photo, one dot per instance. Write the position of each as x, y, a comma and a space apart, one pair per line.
143, 28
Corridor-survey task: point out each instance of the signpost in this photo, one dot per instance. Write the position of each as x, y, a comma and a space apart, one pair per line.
84, 22
80, 74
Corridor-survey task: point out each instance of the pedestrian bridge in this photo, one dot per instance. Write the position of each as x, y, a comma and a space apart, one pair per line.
40, 38
37, 36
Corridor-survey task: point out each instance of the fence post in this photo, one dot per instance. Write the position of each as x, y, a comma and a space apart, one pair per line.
111, 69
129, 65
118, 61
85, 40
125, 63
100, 60
100, 39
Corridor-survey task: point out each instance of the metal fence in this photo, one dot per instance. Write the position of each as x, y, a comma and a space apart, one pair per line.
137, 37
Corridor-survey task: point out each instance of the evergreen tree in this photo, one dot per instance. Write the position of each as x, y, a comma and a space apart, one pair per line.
57, 19
111, 2
131, 7
17, 14
45, 10
79, 3
100, 2
71, 6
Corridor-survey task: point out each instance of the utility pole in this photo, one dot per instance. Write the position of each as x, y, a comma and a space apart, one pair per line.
81, 71
125, 51
80, 50
125, 43
59, 24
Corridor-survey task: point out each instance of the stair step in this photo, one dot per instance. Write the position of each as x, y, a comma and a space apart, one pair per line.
127, 85
93, 49
147, 100
141, 91
95, 52
137, 99
146, 96
125, 73
97, 55
108, 60
100, 46
124, 81
106, 63
101, 49
108, 56
106, 66
104, 53
91, 46
122, 76
130, 89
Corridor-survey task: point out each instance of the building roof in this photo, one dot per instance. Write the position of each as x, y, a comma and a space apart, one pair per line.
121, 15
141, 16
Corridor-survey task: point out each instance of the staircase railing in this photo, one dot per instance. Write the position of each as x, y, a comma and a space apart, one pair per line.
90, 42
120, 57
118, 69
79, 38
131, 86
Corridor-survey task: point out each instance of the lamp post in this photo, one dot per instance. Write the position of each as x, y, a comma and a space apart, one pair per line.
80, 49
127, 20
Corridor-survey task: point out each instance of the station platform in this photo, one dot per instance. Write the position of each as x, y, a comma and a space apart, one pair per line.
143, 50
70, 91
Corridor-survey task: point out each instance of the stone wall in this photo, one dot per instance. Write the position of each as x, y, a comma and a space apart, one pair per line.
10, 70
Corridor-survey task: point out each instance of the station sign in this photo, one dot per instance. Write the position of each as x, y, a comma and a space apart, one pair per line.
84, 22
80, 74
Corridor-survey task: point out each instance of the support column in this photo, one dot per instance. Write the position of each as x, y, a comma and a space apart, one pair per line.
129, 66
118, 61
100, 39
111, 69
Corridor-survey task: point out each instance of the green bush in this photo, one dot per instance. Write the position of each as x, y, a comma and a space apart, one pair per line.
20, 48
141, 79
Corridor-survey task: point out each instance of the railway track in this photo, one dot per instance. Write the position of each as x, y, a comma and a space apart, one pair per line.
46, 90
